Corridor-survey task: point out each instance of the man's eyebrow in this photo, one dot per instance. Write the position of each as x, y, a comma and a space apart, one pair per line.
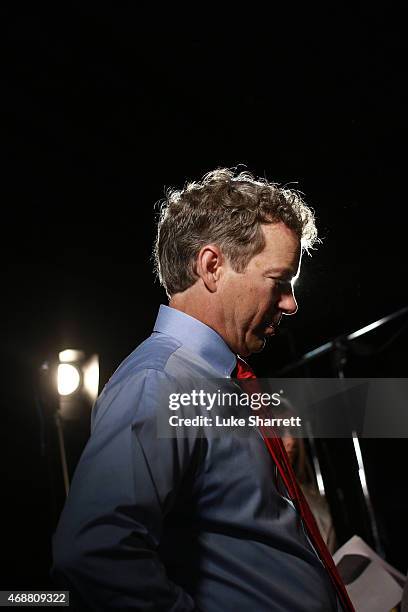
284, 272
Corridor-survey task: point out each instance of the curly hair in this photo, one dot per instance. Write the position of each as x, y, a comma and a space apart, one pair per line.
227, 209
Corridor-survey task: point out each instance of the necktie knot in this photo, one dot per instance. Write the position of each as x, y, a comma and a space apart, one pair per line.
243, 369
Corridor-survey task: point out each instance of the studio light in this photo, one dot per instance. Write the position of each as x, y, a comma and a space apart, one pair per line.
68, 386
77, 383
75, 374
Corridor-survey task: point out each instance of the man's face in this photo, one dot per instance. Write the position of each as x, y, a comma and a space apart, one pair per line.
254, 301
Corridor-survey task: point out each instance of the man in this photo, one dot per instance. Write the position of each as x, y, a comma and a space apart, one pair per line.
189, 522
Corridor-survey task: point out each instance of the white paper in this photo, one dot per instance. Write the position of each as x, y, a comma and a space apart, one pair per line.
376, 589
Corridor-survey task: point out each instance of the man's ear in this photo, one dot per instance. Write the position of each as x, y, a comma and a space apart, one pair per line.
208, 265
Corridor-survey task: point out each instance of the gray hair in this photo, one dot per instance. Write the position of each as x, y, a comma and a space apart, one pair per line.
227, 209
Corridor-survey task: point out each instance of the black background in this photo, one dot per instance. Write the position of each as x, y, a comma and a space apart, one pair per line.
104, 108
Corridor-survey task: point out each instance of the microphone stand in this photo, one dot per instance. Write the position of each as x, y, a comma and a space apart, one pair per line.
338, 343
338, 347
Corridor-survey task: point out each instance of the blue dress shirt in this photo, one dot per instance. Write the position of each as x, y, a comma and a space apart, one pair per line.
184, 523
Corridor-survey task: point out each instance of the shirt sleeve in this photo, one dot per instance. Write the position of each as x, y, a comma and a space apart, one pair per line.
105, 546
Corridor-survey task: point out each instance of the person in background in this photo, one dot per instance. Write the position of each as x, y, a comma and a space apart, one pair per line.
297, 453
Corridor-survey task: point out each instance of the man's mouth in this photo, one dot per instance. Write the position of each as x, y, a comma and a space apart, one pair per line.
270, 327
274, 322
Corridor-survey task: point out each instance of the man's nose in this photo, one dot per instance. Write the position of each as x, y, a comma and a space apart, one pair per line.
288, 304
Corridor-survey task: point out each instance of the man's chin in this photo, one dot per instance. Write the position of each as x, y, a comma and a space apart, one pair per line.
255, 345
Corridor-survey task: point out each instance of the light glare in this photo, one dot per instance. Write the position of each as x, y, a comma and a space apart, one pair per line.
91, 377
70, 355
68, 379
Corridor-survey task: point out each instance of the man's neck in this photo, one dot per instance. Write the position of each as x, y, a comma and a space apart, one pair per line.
199, 307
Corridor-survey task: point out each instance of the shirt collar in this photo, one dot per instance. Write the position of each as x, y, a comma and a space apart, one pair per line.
197, 337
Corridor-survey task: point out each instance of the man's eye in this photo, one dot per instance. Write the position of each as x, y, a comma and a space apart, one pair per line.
280, 281
283, 284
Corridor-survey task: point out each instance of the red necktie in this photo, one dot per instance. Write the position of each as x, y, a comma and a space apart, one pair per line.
278, 453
